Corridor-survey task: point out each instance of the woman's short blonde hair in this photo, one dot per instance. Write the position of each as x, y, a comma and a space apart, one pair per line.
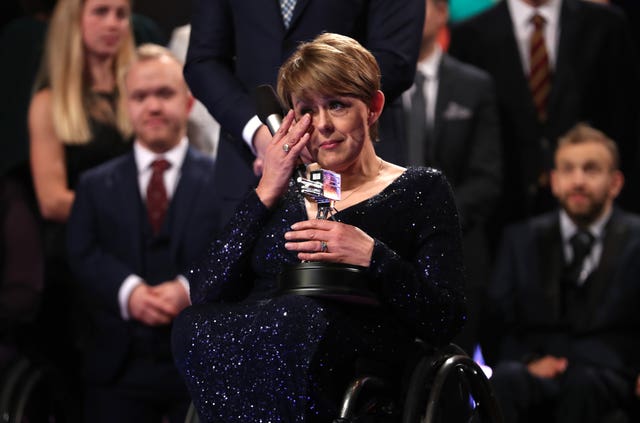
331, 64
63, 71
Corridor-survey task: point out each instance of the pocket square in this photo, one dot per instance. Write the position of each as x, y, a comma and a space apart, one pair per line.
455, 111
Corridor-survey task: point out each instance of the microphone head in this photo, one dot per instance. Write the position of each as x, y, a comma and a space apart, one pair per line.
267, 103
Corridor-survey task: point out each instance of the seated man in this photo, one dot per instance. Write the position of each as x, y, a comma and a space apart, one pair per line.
137, 223
566, 287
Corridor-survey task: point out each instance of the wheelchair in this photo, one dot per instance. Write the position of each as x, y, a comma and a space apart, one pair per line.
446, 375
31, 392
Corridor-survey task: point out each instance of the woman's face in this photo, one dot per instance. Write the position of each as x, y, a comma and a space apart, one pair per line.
339, 128
105, 24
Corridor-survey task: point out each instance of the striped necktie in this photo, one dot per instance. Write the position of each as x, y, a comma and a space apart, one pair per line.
286, 8
540, 71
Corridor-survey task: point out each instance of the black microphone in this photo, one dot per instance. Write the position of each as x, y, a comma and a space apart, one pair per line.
270, 112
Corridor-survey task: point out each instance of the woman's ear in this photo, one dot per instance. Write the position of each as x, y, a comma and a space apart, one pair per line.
375, 109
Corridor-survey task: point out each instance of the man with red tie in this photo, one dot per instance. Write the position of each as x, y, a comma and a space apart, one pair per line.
137, 223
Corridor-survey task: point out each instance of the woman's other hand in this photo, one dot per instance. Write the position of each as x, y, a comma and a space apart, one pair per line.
327, 240
281, 157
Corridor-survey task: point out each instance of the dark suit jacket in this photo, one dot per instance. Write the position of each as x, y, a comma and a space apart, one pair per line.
594, 80
526, 296
105, 242
236, 45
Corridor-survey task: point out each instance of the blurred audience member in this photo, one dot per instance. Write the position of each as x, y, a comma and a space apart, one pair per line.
137, 223
21, 45
203, 129
554, 62
452, 125
566, 288
76, 121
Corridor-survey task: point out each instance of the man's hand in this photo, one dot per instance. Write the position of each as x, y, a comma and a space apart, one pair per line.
157, 305
548, 366
173, 294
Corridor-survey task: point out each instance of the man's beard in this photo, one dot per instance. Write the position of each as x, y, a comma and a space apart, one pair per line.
585, 217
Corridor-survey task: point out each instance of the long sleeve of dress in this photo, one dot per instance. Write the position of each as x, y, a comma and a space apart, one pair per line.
424, 283
224, 273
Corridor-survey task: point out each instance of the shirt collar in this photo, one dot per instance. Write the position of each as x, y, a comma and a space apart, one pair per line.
568, 228
521, 13
144, 157
430, 66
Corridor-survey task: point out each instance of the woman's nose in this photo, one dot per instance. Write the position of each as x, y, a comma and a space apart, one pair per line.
323, 121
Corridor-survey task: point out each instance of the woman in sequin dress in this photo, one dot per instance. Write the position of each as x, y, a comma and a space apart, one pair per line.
248, 355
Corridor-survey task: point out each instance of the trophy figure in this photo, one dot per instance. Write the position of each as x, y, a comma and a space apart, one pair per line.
338, 281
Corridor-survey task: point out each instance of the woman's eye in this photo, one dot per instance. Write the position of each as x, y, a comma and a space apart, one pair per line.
100, 11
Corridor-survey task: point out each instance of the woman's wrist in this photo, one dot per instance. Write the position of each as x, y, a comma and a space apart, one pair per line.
268, 197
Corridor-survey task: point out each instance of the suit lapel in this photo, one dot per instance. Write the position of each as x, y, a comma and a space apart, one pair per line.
509, 64
569, 25
445, 94
130, 199
551, 263
613, 245
189, 185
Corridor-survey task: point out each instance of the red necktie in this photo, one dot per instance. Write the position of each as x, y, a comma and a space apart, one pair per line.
157, 201
540, 73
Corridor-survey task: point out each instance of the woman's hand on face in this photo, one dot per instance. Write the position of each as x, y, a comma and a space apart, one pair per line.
327, 240
281, 157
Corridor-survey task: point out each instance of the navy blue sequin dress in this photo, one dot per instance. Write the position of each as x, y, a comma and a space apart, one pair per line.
249, 356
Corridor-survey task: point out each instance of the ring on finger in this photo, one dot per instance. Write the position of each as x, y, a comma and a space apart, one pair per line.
286, 147
323, 247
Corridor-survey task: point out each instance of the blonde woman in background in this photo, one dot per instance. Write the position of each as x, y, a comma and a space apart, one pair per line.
76, 121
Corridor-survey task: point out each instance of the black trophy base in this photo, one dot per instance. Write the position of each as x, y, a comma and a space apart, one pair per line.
335, 281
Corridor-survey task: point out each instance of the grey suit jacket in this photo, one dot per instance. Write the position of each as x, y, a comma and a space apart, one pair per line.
466, 143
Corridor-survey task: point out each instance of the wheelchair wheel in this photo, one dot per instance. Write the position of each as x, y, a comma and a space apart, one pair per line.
450, 388
29, 394
366, 400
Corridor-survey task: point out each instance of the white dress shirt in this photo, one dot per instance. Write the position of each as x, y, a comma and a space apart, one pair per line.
521, 14
143, 158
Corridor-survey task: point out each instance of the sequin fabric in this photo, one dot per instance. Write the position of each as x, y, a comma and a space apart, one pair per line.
248, 355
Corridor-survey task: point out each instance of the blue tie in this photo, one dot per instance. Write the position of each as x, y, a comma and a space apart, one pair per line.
286, 7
